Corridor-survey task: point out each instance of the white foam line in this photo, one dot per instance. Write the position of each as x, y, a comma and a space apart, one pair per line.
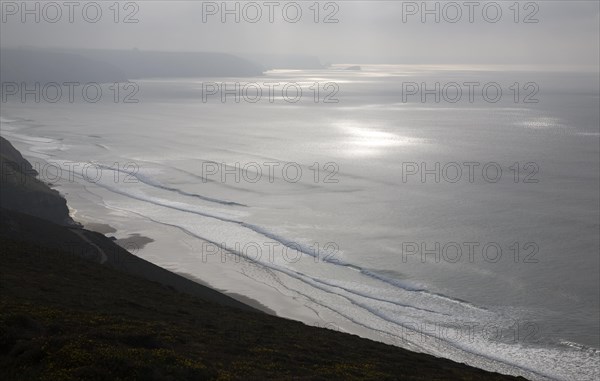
285, 242
156, 184
314, 283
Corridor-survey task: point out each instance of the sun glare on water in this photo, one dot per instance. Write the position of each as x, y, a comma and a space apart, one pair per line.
365, 141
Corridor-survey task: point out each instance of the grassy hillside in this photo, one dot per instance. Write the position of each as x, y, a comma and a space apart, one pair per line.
66, 318
76, 306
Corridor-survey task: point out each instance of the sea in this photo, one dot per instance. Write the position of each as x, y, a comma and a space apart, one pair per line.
451, 210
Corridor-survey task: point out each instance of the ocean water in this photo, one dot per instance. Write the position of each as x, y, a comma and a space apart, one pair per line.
464, 229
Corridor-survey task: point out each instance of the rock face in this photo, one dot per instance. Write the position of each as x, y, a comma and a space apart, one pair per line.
14, 157
22, 191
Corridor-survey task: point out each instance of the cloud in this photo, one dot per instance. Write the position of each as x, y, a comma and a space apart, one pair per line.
367, 31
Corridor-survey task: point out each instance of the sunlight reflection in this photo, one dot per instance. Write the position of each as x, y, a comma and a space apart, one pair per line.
369, 141
541, 123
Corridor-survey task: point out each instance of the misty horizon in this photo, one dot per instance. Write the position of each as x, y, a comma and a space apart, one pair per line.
352, 31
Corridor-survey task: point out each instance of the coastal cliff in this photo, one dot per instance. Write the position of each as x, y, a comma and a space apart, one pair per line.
21, 191
106, 66
76, 306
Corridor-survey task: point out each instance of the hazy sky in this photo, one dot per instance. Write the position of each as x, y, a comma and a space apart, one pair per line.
567, 32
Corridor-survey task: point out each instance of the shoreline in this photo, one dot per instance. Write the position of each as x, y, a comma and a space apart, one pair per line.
142, 241
239, 297
20, 231
289, 305
352, 328
139, 241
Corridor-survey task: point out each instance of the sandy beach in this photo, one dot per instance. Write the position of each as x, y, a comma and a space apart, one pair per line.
111, 298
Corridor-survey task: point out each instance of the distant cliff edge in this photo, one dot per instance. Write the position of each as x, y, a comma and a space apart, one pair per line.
102, 66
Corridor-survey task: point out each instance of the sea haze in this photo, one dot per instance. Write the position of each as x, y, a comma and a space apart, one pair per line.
498, 269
